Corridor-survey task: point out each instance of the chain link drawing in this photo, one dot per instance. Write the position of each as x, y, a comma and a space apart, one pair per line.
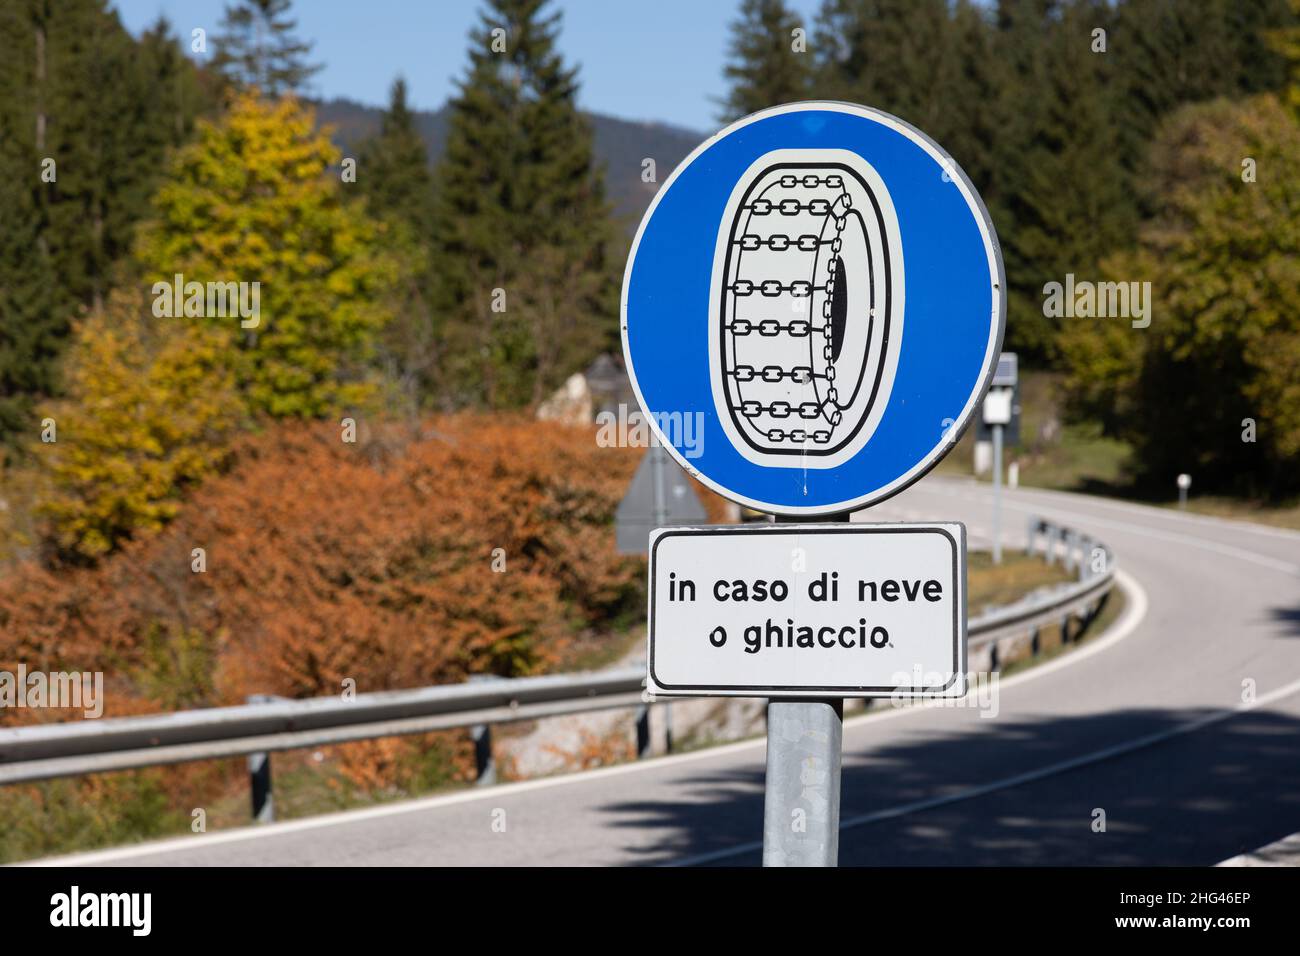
807, 308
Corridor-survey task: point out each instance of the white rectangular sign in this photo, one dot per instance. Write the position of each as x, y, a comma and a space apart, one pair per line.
830, 610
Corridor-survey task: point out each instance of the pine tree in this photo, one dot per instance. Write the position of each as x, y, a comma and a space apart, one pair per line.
394, 173
1073, 201
395, 179
764, 68
256, 47
884, 53
521, 219
86, 117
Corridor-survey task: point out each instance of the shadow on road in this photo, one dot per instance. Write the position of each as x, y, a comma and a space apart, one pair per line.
1194, 799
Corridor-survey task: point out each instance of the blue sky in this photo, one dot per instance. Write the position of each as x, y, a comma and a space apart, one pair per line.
640, 59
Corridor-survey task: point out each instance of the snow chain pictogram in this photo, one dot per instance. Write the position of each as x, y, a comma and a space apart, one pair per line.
808, 307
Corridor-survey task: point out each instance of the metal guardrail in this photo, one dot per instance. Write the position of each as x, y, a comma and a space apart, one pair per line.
120, 743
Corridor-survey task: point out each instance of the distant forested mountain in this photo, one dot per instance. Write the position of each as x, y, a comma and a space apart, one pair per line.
622, 145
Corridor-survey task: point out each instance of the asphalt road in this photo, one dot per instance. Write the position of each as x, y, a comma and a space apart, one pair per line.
1147, 725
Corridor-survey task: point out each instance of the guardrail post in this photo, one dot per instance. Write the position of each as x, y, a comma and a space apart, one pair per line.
485, 768
485, 765
259, 774
1065, 630
643, 732
1049, 542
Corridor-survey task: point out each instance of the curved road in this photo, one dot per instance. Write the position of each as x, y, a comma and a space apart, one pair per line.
1147, 726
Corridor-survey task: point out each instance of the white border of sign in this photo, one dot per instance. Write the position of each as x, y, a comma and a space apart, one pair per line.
956, 688
997, 318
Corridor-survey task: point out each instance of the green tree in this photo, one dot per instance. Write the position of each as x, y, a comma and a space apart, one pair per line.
1222, 253
885, 53
257, 47
763, 67
87, 115
395, 179
394, 167
149, 406
528, 291
1070, 203
251, 201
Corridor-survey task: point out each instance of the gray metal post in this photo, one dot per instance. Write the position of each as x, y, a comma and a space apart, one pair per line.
259, 787
801, 803
801, 809
485, 765
997, 494
643, 732
259, 774
661, 499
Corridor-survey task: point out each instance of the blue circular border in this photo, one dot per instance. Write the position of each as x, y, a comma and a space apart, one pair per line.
948, 321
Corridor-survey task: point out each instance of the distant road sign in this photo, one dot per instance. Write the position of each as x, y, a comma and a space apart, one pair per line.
660, 496
821, 285
850, 610
1006, 378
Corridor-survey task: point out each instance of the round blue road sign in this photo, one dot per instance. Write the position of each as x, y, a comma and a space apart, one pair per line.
813, 308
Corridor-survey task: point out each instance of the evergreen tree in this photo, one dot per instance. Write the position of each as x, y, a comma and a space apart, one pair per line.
764, 69
970, 83
394, 177
86, 117
1071, 203
257, 47
394, 173
885, 53
529, 295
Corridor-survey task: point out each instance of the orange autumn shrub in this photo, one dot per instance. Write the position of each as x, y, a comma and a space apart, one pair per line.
482, 547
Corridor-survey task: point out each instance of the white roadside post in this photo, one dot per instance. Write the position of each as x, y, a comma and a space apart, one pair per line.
997, 413
1001, 410
783, 305
1184, 483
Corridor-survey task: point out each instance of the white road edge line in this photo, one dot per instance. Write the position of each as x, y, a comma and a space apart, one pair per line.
1134, 612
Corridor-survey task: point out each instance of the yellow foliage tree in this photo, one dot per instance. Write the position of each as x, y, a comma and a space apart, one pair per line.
252, 200
149, 407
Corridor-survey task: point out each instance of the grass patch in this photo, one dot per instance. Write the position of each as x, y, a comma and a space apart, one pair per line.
1060, 456
1277, 516
993, 585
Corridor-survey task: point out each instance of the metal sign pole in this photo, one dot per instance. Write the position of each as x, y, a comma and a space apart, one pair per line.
997, 494
660, 499
801, 801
